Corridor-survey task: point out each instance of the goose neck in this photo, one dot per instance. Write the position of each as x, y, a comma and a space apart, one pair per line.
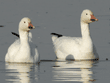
85, 30
23, 37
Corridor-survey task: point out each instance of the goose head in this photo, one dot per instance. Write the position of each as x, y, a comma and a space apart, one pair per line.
87, 16
25, 24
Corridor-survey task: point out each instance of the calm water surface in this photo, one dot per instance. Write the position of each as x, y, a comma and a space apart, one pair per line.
56, 72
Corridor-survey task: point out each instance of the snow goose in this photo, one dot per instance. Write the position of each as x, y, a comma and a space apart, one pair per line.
23, 50
78, 48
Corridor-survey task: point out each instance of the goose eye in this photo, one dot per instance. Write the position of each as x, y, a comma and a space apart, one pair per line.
24, 22
86, 14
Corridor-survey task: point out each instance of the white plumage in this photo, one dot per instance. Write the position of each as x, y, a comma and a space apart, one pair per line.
23, 50
79, 48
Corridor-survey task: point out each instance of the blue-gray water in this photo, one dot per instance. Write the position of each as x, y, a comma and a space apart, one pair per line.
63, 17
56, 72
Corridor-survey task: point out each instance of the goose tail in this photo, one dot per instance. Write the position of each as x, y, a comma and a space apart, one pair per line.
55, 36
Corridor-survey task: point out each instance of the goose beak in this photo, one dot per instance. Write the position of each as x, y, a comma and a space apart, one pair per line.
30, 26
93, 18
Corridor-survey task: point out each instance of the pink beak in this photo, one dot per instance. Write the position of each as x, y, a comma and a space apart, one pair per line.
93, 18
30, 25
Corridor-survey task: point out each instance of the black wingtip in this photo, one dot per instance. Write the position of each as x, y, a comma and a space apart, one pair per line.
58, 35
15, 34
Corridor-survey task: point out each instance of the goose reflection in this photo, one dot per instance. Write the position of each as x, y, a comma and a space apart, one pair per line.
19, 73
79, 71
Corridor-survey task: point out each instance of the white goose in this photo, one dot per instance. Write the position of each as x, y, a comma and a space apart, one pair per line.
79, 48
23, 50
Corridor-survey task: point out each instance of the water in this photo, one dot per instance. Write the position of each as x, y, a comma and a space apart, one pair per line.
63, 17
56, 72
